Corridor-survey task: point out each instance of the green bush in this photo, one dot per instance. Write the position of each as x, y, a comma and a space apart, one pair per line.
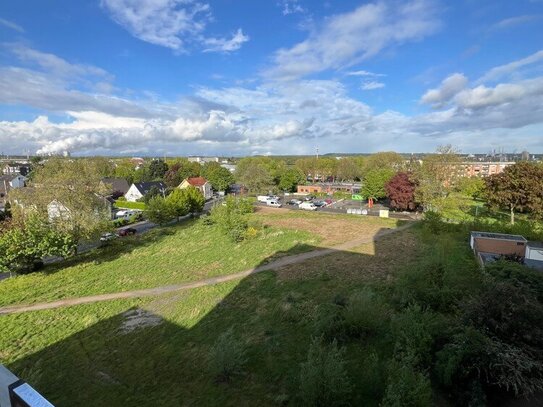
227, 356
121, 199
366, 313
407, 387
231, 218
433, 221
329, 322
323, 376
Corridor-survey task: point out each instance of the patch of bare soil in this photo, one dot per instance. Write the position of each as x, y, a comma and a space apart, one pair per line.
332, 229
378, 260
138, 318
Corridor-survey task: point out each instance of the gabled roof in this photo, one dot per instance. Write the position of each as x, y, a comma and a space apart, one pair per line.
117, 184
144, 187
197, 181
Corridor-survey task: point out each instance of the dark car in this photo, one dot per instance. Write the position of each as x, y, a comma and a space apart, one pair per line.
319, 204
127, 232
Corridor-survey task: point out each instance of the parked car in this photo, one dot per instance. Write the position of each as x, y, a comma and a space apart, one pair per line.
263, 198
294, 202
319, 204
308, 206
106, 237
309, 198
274, 203
127, 232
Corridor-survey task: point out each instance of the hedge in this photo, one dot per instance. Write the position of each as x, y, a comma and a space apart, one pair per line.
130, 205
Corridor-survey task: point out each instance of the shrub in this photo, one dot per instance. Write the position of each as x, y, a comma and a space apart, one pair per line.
329, 322
121, 198
232, 220
366, 313
407, 387
228, 356
323, 377
433, 221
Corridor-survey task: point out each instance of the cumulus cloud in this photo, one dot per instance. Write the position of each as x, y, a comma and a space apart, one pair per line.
451, 86
346, 39
291, 7
170, 23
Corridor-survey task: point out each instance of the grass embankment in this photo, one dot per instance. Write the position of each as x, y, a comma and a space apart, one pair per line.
169, 255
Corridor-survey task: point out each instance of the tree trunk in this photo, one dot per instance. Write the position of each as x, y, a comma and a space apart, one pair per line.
512, 215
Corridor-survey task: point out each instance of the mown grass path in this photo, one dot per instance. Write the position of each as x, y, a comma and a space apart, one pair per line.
277, 264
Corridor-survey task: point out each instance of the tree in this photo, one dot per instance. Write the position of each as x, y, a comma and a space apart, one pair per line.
437, 177
401, 191
309, 166
518, 188
219, 177
159, 211
153, 192
72, 186
157, 169
290, 179
255, 175
178, 202
27, 240
374, 183
194, 198
387, 159
472, 187
348, 169
180, 170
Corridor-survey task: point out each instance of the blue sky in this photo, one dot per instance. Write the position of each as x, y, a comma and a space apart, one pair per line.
237, 77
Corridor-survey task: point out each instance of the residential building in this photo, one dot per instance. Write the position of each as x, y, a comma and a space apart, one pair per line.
114, 186
8, 182
229, 167
198, 182
139, 189
484, 169
203, 160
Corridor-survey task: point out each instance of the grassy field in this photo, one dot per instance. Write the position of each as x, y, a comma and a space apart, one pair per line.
397, 307
155, 351
187, 252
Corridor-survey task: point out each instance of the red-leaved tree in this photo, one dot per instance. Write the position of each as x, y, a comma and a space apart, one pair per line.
401, 192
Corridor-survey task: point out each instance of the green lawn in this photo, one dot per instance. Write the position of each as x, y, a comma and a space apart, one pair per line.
182, 253
419, 283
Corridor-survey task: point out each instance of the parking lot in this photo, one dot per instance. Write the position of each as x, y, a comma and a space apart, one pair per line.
340, 206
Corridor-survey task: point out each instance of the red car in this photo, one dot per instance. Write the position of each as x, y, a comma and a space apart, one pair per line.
127, 232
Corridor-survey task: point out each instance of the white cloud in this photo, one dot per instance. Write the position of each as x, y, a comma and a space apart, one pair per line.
224, 45
364, 73
291, 7
514, 21
170, 23
11, 25
372, 85
346, 39
512, 67
451, 86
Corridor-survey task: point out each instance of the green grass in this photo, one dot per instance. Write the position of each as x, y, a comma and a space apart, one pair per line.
176, 254
130, 205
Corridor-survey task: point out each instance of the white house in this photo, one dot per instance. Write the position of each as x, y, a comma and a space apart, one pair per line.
18, 181
139, 189
56, 210
199, 182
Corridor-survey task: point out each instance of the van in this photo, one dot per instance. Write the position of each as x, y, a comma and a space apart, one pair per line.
263, 198
273, 203
308, 206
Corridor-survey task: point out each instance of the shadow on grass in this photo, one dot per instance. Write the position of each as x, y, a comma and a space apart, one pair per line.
159, 354
155, 355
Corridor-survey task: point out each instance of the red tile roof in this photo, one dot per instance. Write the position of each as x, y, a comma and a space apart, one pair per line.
196, 181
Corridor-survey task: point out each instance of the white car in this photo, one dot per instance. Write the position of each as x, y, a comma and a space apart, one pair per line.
106, 237
307, 206
274, 203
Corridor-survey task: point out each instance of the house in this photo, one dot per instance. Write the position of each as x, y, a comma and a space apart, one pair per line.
199, 182
139, 189
16, 168
56, 210
114, 186
229, 167
8, 182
